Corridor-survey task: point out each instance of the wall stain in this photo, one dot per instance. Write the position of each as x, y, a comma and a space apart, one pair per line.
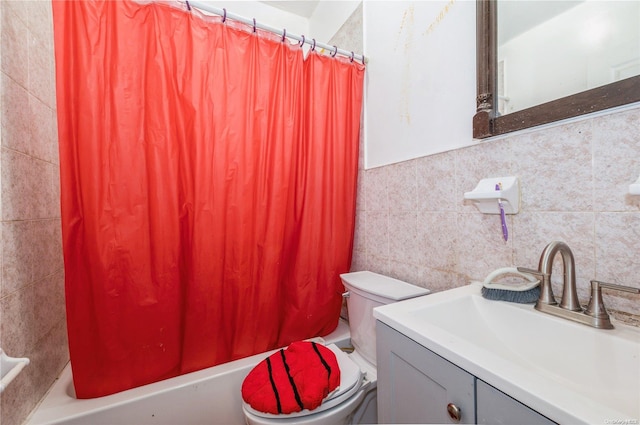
407, 23
439, 18
405, 38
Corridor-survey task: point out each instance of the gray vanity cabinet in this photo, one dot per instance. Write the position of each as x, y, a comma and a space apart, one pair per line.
415, 385
495, 408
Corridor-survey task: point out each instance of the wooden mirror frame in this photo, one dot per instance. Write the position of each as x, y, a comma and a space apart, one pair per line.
485, 121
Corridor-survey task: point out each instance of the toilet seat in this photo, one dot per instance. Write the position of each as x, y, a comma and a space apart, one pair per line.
350, 382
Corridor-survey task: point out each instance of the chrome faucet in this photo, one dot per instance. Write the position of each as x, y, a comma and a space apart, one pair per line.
569, 299
595, 315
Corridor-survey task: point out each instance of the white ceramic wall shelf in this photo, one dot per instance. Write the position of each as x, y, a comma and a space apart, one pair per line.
489, 192
634, 188
10, 367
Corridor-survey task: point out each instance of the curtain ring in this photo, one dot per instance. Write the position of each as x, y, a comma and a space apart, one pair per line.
188, 5
284, 34
363, 59
224, 16
352, 55
313, 48
335, 52
254, 24
302, 42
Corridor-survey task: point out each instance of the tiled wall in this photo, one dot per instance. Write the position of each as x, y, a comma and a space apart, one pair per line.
32, 316
413, 224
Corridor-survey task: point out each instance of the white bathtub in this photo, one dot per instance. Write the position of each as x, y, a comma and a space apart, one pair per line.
208, 396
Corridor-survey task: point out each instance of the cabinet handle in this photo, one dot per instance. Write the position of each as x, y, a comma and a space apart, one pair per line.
454, 412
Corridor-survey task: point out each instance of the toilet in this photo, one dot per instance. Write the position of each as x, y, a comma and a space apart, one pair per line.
355, 401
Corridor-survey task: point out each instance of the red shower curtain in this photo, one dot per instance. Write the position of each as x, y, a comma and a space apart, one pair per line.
208, 181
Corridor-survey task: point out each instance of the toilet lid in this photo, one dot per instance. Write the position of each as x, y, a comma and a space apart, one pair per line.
350, 381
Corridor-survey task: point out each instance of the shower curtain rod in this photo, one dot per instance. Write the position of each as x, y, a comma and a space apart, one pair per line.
282, 32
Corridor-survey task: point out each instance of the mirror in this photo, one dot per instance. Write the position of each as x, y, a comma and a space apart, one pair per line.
526, 52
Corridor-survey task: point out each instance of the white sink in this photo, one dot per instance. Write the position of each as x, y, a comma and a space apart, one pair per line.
567, 371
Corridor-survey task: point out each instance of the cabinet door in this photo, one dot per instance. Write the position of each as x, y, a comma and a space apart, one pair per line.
495, 407
416, 385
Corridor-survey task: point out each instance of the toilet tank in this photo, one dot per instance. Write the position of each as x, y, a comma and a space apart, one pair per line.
365, 291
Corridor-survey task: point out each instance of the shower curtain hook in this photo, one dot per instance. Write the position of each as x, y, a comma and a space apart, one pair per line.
363, 59
284, 34
224, 16
352, 55
335, 52
302, 42
254, 24
188, 5
313, 48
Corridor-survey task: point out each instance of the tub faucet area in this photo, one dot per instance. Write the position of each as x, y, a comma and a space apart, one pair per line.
595, 314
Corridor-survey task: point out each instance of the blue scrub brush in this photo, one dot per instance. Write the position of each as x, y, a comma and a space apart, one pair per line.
525, 291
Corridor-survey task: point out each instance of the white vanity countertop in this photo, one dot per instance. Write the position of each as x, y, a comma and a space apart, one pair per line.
567, 371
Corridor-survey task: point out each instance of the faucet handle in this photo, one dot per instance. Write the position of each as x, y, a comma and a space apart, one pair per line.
596, 307
622, 288
546, 293
531, 271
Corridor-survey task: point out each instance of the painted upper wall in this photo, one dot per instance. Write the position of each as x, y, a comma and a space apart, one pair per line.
422, 60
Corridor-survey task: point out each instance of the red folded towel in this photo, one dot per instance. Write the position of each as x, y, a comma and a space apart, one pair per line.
291, 380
